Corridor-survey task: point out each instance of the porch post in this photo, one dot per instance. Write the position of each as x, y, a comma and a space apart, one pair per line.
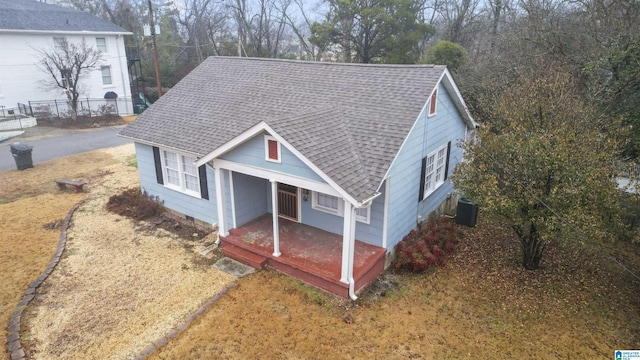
221, 203
274, 210
348, 243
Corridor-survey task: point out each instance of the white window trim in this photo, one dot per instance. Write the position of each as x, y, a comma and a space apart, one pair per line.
266, 149
431, 99
436, 185
106, 47
110, 75
340, 210
182, 187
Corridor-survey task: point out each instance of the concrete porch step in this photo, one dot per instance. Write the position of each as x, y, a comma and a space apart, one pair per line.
244, 256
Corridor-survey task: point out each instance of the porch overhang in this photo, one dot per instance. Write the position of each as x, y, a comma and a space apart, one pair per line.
261, 127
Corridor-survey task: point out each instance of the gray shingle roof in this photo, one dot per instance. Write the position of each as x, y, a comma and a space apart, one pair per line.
350, 120
34, 15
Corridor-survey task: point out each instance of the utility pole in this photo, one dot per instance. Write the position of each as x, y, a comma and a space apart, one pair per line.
155, 49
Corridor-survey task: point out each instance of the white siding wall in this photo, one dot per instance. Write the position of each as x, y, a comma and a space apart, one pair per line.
21, 80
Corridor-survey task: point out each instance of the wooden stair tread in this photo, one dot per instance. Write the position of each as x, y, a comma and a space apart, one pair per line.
244, 256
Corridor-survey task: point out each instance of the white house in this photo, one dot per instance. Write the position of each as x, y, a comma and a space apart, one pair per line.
27, 26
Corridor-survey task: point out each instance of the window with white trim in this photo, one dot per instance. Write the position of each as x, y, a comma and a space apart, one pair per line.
106, 75
335, 205
327, 203
180, 173
101, 44
271, 149
435, 170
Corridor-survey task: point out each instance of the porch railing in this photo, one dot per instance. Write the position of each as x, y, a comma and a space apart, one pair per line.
288, 204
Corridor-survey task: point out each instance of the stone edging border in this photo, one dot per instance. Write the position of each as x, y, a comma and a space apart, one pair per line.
162, 341
13, 340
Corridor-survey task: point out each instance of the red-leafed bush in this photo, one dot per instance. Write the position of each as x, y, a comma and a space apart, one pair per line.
427, 245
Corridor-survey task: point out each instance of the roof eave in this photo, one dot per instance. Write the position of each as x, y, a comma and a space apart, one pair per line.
64, 32
151, 143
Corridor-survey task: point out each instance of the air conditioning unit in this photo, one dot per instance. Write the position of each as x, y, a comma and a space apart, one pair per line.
467, 212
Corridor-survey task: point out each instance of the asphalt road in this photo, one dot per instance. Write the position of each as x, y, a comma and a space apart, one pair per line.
53, 144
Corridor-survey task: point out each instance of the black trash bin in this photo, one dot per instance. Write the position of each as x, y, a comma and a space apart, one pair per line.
22, 155
467, 212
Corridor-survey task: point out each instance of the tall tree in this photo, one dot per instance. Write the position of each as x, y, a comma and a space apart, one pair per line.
365, 31
545, 162
66, 65
447, 53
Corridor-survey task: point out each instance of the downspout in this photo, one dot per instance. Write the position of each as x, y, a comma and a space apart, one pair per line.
352, 243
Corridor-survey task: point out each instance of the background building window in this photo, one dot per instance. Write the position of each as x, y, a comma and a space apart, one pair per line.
101, 44
106, 75
59, 43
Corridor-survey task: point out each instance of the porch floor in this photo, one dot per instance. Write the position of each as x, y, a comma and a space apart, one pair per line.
310, 254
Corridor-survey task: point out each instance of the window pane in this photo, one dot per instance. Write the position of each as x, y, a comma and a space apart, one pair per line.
428, 185
191, 182
188, 166
58, 43
171, 160
173, 177
106, 75
101, 44
362, 212
328, 201
441, 157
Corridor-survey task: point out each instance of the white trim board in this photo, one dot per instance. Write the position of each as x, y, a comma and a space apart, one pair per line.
258, 129
275, 176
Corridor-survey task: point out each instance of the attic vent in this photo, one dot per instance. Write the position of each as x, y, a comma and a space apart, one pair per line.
272, 149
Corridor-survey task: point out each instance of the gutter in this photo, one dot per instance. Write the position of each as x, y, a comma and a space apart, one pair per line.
151, 143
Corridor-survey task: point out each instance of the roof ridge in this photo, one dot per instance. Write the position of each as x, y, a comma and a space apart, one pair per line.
330, 63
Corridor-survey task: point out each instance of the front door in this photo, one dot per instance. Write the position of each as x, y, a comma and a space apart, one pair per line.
288, 201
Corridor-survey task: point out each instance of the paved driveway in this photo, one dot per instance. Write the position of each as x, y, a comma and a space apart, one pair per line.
50, 143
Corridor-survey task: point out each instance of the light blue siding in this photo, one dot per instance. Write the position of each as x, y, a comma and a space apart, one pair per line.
428, 134
201, 209
252, 153
250, 196
370, 233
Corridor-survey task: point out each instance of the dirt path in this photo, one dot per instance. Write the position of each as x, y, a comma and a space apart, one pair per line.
117, 288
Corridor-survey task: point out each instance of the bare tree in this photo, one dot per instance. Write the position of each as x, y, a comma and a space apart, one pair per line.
66, 64
302, 31
261, 31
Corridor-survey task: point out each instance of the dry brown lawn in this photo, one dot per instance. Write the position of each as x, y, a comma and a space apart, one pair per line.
482, 304
29, 199
119, 286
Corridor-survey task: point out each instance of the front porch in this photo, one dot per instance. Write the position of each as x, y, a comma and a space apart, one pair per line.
307, 253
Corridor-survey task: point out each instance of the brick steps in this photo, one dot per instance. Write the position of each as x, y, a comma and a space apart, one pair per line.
244, 256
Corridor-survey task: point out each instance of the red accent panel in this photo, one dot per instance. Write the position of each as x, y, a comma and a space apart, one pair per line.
432, 105
273, 149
